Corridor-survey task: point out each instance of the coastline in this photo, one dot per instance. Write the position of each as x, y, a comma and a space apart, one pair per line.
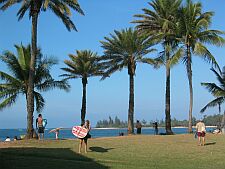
104, 128
113, 128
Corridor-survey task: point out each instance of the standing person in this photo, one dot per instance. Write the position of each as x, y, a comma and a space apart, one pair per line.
57, 134
155, 126
201, 131
85, 139
40, 127
56, 131
138, 126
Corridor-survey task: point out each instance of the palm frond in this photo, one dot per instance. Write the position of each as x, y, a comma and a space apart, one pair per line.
8, 102
213, 103
215, 90
83, 65
8, 78
174, 60
219, 77
124, 49
39, 101
212, 37
19, 66
74, 5
69, 76
23, 9
202, 51
8, 3
148, 61
8, 91
111, 70
65, 19
51, 84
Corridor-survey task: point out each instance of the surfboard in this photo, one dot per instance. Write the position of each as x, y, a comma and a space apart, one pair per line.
79, 131
44, 122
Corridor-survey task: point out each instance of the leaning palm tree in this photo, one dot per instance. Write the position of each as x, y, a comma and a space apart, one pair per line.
125, 49
218, 91
83, 65
160, 24
194, 34
61, 8
15, 83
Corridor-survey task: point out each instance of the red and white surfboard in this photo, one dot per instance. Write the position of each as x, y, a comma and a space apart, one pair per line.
79, 131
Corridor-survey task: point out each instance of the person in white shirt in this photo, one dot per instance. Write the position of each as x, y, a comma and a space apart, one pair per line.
201, 131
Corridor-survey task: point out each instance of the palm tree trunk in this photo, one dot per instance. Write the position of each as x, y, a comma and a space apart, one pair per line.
83, 109
30, 90
189, 73
131, 106
167, 110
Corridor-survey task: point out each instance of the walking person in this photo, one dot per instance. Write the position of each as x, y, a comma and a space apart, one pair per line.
201, 131
40, 127
85, 139
138, 126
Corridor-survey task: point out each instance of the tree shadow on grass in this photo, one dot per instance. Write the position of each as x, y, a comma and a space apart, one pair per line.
100, 149
45, 158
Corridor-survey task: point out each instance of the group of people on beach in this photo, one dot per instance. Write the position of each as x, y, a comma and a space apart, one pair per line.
14, 139
200, 132
139, 126
40, 128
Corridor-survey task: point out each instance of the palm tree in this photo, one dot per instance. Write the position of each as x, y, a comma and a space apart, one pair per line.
124, 50
160, 24
17, 81
83, 65
218, 91
61, 8
194, 33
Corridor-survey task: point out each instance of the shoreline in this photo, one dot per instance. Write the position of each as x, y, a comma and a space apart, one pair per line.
107, 128
111, 128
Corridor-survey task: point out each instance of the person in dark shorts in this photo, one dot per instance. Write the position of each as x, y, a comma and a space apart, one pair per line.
85, 139
201, 131
40, 127
138, 126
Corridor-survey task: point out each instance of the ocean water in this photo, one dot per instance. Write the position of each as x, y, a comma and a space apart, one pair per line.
95, 133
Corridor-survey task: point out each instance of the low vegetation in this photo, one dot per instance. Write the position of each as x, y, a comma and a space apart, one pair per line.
211, 120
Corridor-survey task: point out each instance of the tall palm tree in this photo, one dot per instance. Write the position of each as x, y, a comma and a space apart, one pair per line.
194, 34
160, 24
83, 64
15, 83
218, 91
125, 49
61, 8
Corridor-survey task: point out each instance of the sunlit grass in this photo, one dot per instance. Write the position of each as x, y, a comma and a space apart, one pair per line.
152, 152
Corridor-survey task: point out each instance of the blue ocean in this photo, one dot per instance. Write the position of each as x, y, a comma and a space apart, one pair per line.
95, 133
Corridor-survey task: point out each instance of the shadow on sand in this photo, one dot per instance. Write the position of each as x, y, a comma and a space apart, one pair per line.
100, 149
45, 158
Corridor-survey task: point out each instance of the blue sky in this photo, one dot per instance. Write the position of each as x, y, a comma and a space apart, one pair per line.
108, 97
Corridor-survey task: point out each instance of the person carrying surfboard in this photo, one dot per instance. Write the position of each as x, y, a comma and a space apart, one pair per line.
85, 139
40, 127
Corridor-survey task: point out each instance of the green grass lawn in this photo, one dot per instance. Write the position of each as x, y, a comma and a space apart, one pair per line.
132, 152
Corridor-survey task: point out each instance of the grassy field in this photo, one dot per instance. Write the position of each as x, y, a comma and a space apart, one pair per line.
131, 152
